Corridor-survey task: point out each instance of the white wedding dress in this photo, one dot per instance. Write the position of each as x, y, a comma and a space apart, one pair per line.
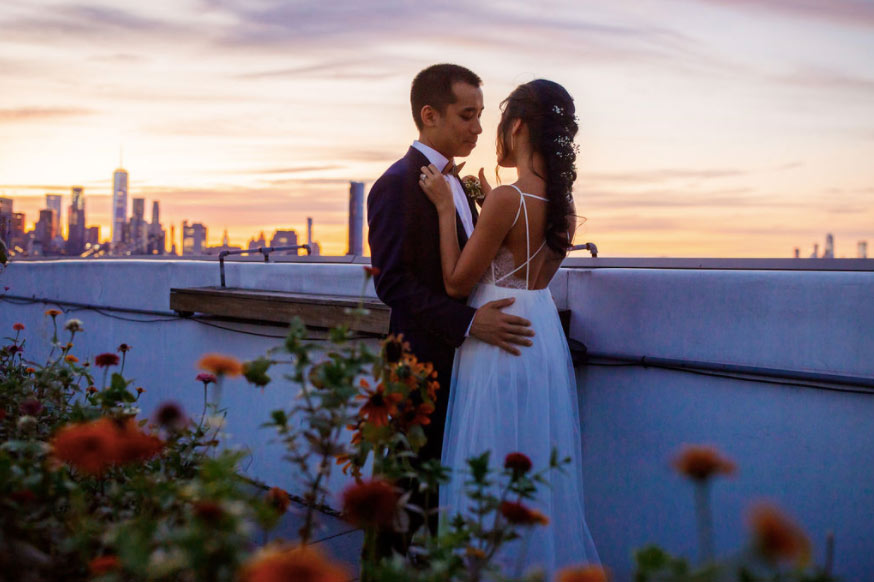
503, 403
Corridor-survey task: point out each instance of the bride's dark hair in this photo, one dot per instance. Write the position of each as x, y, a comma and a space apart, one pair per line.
547, 109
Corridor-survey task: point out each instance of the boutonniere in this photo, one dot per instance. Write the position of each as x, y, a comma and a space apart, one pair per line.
473, 189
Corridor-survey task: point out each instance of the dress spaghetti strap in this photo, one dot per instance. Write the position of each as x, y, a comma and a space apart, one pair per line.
528, 255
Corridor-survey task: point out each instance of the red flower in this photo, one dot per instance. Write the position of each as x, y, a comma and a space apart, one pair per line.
518, 514
103, 565
23, 496
371, 271
702, 462
31, 407
279, 499
105, 360
170, 416
370, 503
123, 348
18, 326
220, 365
209, 511
518, 463
91, 390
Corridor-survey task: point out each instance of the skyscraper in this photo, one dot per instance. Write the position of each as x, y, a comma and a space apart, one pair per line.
6, 221
356, 219
139, 234
156, 233
119, 207
863, 249
54, 202
76, 222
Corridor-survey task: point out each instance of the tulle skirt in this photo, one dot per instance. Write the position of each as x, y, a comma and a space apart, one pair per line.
503, 403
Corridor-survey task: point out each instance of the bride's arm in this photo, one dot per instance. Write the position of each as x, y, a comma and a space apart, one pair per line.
463, 269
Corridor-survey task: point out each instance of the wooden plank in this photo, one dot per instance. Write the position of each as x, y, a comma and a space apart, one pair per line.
321, 311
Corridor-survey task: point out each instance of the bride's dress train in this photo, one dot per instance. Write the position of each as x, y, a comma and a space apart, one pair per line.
503, 403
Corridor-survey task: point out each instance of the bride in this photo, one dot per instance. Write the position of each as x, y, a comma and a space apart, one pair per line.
528, 403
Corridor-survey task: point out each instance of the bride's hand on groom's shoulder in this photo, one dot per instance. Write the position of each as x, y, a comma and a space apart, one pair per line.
436, 188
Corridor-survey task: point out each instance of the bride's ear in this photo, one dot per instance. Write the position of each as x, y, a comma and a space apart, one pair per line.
517, 127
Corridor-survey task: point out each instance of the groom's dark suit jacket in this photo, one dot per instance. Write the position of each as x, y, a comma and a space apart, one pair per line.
405, 245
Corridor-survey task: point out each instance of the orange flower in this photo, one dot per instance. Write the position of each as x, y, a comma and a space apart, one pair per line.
370, 503
702, 462
140, 389
92, 390
582, 574
371, 271
90, 447
94, 446
30, 370
476, 553
135, 445
53, 312
221, 365
776, 536
379, 405
279, 499
71, 359
518, 514
103, 565
284, 563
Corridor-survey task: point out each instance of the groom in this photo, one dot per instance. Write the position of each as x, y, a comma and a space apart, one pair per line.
405, 243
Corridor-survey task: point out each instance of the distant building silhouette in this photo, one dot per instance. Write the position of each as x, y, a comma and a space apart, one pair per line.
829, 252
157, 235
92, 235
139, 234
193, 238
44, 233
259, 242
284, 238
76, 222
315, 248
863, 249
356, 219
119, 209
54, 202
7, 221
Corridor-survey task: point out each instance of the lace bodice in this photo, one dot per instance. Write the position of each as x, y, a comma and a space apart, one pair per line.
503, 272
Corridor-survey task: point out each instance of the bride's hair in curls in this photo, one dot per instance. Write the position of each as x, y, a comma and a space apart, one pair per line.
547, 109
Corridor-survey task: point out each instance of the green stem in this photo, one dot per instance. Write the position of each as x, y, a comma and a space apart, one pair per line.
705, 520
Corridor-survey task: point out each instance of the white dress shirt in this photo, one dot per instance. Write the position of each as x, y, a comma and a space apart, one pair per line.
461, 206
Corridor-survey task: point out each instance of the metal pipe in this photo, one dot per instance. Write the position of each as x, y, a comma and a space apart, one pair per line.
589, 246
263, 250
778, 373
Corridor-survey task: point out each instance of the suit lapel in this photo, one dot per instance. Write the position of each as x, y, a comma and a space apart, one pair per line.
416, 160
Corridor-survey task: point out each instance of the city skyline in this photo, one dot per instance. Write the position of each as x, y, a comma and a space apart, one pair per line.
708, 128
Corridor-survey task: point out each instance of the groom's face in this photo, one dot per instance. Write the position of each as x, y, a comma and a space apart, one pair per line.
456, 131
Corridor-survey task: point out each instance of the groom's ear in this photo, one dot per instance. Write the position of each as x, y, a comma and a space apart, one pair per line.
430, 116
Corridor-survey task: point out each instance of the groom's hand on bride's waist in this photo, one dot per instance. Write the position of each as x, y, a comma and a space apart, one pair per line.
495, 327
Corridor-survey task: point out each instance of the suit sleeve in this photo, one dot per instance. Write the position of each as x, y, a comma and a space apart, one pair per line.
389, 225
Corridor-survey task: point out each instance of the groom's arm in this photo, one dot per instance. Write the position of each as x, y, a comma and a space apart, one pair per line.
388, 223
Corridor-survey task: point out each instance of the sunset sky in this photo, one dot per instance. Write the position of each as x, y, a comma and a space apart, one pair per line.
708, 127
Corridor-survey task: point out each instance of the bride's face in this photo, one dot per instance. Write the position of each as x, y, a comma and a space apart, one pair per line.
505, 144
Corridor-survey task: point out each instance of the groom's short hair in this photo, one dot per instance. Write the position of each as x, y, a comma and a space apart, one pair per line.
433, 86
